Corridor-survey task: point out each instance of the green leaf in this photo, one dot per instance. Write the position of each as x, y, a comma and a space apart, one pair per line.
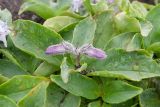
82, 68
154, 17
146, 27
117, 91
72, 14
129, 75
88, 6
95, 104
61, 4
55, 95
105, 29
128, 103
125, 23
43, 1
3, 79
19, 86
149, 98
27, 62
65, 70
120, 60
34, 38
42, 9
106, 105
6, 16
60, 23
67, 35
9, 69
36, 97
100, 6
7, 102
123, 5
138, 10
155, 47
7, 54
126, 41
71, 101
41, 6
45, 69
84, 32
79, 85
135, 43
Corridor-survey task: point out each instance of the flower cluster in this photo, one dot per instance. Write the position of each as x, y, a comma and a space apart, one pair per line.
66, 47
4, 31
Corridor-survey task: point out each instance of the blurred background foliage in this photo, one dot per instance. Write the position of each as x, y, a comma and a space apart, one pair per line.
14, 5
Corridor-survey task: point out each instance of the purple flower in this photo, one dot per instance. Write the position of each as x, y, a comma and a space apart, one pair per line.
4, 31
62, 48
91, 51
55, 49
66, 47
76, 4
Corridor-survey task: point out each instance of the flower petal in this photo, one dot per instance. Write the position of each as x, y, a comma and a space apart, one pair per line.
110, 1
76, 4
4, 31
69, 47
91, 51
55, 49
62, 48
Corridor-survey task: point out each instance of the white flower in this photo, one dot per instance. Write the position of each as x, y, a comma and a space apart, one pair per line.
76, 4
4, 31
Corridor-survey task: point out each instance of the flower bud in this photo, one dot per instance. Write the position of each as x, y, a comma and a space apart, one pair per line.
91, 51
62, 48
55, 49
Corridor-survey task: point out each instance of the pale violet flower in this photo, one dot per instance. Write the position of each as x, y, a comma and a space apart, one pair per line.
66, 47
56, 49
91, 51
76, 4
62, 48
4, 31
